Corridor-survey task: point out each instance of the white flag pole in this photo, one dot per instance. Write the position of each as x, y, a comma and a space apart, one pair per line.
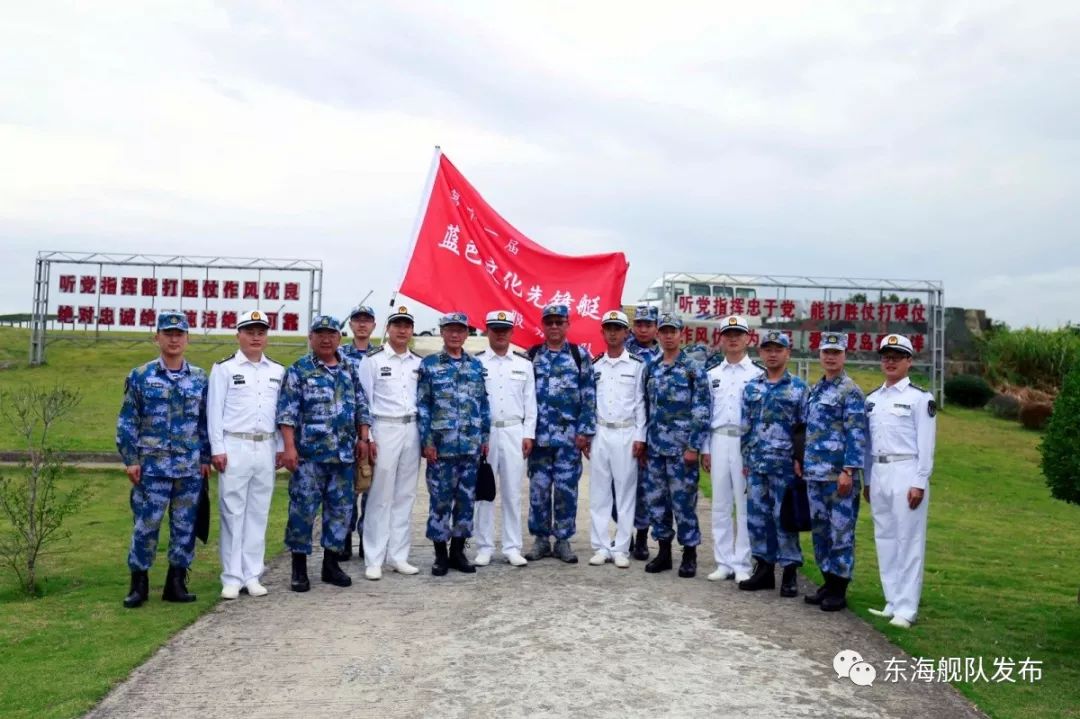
425, 199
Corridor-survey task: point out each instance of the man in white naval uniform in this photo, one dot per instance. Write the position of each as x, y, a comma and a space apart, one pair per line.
899, 460
388, 375
619, 443
511, 390
245, 448
727, 378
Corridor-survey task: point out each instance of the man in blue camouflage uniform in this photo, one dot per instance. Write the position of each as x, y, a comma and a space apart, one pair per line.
565, 425
324, 420
455, 424
773, 431
835, 448
677, 398
362, 324
162, 439
642, 344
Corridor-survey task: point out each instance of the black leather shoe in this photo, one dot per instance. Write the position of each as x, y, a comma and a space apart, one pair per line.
458, 560
822, 591
762, 578
789, 582
140, 589
662, 562
332, 573
836, 600
299, 581
639, 546
442, 560
176, 586
688, 567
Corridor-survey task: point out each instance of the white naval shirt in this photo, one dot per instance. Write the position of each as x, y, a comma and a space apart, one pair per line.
511, 389
242, 397
902, 421
620, 391
389, 381
726, 383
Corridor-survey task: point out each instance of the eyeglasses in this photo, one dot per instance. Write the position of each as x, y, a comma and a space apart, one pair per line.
554, 322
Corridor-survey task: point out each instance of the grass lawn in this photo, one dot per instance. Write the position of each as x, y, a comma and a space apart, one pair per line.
1001, 576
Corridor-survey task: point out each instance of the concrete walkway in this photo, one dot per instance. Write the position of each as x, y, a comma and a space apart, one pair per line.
545, 640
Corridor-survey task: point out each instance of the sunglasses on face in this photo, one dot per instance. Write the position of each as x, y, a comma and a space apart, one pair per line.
554, 323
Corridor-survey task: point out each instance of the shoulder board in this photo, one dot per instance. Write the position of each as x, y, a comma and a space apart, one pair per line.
714, 361
758, 365
635, 358
272, 360
223, 360
921, 389
598, 357
374, 350
522, 355
480, 353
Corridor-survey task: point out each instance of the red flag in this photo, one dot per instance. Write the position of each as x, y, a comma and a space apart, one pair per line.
468, 258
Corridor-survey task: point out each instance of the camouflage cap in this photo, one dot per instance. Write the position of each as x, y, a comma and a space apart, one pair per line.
556, 311
325, 322
361, 310
833, 341
172, 320
454, 318
774, 337
670, 321
646, 313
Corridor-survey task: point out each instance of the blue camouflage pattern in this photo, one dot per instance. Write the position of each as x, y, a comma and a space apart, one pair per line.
646, 354
764, 497
325, 405
836, 428
362, 310
832, 522
454, 318
555, 311
162, 422
679, 406
772, 414
356, 356
149, 500
554, 474
353, 354
565, 397
452, 405
313, 483
172, 320
671, 492
451, 483
646, 312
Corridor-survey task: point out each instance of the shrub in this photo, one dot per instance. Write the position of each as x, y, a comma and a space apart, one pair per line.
1030, 357
968, 391
1035, 415
1060, 448
1004, 406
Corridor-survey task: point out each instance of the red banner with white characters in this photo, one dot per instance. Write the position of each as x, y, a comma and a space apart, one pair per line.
468, 258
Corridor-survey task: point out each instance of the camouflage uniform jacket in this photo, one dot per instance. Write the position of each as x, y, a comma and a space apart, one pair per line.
835, 428
452, 405
678, 406
648, 354
162, 422
350, 352
565, 397
773, 421
325, 406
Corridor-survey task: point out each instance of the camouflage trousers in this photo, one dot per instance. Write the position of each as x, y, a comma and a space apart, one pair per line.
312, 484
764, 497
149, 500
832, 519
671, 491
554, 474
641, 507
451, 483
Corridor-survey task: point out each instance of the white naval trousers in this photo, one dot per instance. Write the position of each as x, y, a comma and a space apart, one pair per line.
387, 536
612, 461
508, 464
731, 539
244, 492
899, 535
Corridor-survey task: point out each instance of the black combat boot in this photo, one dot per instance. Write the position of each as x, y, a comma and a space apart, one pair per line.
140, 589
762, 578
442, 560
789, 582
823, 591
639, 545
458, 560
688, 567
299, 581
663, 559
347, 554
331, 571
836, 600
176, 586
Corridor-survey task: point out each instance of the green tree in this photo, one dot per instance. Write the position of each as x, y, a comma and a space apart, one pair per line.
1060, 446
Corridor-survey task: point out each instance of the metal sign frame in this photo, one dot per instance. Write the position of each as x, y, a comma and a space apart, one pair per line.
47, 258
933, 291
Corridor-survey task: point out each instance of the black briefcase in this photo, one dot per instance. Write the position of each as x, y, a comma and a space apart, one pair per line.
202, 516
795, 508
485, 482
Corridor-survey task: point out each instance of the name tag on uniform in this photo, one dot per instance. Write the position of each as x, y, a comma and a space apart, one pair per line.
386, 371
516, 373
901, 406
276, 379
238, 379
715, 383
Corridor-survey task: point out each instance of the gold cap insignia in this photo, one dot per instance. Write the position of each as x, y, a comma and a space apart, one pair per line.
733, 320
893, 340
402, 310
502, 315
256, 316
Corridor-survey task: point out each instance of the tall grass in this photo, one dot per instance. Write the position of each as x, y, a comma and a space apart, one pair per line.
1031, 357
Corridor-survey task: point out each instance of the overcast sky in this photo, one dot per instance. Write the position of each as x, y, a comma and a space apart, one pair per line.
933, 140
